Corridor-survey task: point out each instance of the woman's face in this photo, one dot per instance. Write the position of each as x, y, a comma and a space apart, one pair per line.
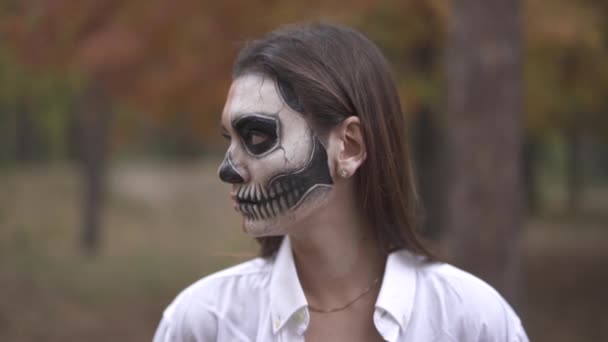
278, 167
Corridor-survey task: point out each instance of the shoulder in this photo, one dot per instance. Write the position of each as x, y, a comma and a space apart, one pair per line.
469, 308
229, 284
456, 285
195, 314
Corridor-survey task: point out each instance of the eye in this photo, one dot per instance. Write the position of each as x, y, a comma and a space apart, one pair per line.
255, 138
258, 133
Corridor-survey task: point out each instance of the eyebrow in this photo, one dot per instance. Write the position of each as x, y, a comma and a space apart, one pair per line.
239, 115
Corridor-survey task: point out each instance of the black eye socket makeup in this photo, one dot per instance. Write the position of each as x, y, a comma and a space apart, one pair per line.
259, 133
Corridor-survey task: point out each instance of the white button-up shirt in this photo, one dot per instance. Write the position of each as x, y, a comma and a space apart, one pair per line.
262, 300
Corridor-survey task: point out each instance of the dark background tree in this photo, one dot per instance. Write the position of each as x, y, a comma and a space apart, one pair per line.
484, 140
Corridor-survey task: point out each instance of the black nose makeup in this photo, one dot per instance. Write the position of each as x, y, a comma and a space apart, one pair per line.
228, 173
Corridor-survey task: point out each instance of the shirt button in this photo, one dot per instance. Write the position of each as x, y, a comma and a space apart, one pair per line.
277, 323
404, 320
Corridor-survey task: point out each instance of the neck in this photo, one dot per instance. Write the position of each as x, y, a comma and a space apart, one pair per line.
336, 254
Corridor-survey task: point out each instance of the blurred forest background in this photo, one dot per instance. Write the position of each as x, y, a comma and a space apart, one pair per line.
109, 145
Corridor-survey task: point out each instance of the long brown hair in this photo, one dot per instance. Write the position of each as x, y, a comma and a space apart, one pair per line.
328, 73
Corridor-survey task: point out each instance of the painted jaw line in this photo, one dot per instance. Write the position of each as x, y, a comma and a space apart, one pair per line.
284, 191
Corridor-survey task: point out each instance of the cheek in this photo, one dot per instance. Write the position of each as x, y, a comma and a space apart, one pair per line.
286, 181
333, 151
313, 173
291, 154
289, 196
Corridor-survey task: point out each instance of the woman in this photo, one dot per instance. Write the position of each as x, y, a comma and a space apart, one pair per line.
321, 175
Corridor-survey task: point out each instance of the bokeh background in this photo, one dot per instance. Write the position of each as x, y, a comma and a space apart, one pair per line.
110, 142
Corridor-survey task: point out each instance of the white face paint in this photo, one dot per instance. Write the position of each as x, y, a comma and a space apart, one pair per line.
277, 166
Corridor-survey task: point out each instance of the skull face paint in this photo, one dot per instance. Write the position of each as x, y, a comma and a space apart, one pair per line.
278, 167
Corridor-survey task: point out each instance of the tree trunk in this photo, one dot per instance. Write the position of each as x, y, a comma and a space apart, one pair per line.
483, 141
94, 137
73, 136
427, 146
25, 137
574, 166
531, 154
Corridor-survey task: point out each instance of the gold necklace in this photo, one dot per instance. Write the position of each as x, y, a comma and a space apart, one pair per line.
343, 307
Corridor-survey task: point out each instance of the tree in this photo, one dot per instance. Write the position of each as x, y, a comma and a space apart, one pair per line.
566, 79
162, 57
484, 125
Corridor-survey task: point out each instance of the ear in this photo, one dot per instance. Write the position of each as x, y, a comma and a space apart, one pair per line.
351, 147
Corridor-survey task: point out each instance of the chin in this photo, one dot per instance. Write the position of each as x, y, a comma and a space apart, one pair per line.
292, 219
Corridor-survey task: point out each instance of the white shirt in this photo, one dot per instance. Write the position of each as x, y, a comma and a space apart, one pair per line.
262, 300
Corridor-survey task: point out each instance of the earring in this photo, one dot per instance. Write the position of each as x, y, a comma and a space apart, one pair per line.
344, 173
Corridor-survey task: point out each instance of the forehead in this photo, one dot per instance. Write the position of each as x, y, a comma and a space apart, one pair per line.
252, 93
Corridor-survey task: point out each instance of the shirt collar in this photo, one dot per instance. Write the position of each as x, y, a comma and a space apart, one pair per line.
398, 289
286, 294
396, 295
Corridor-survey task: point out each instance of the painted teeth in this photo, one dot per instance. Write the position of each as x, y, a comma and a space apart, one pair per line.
290, 198
263, 193
275, 207
263, 211
256, 211
262, 202
283, 202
